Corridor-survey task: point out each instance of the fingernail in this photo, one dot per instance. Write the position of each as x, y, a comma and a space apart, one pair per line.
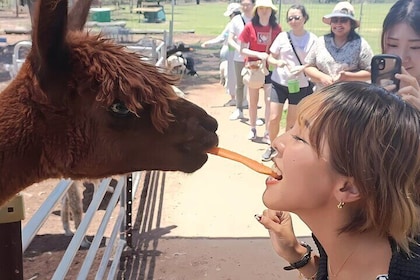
257, 217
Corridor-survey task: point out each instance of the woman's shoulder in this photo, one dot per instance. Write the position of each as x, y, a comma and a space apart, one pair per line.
312, 36
404, 266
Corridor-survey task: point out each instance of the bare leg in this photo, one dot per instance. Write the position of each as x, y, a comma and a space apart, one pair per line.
291, 116
253, 106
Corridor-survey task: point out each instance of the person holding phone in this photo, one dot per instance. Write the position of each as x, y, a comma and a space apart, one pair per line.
341, 55
401, 37
349, 168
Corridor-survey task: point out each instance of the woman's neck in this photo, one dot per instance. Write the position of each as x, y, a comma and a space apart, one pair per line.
299, 31
264, 21
340, 41
369, 251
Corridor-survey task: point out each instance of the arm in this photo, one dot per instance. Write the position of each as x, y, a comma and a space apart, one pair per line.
284, 241
273, 59
218, 39
362, 75
318, 76
244, 49
232, 42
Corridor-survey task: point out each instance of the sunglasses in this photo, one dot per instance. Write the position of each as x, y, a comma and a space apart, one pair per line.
339, 20
293, 18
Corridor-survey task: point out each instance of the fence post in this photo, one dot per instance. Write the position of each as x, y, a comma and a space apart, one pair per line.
11, 262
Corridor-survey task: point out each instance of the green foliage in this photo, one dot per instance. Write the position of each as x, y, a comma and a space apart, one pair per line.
207, 19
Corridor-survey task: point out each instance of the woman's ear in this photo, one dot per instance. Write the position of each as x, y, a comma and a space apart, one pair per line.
347, 192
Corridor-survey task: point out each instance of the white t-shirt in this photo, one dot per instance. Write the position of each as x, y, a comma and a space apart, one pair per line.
236, 27
281, 47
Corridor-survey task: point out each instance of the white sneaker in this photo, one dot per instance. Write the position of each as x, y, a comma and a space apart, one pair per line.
259, 122
266, 139
236, 115
252, 135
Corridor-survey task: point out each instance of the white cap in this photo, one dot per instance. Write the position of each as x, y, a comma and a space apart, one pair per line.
231, 8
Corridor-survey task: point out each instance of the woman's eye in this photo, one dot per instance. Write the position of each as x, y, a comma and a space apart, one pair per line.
119, 109
297, 138
391, 45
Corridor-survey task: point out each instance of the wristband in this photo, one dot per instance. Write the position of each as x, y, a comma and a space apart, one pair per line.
303, 261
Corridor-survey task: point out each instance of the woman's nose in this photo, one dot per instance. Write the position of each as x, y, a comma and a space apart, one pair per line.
279, 144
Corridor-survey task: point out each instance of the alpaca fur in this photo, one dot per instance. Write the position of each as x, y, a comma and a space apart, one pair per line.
72, 208
223, 73
83, 107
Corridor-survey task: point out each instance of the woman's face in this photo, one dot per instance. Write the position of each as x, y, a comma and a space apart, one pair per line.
295, 19
340, 26
264, 12
307, 179
403, 41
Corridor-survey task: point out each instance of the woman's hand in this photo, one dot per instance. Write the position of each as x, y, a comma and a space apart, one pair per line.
279, 225
325, 79
409, 88
262, 55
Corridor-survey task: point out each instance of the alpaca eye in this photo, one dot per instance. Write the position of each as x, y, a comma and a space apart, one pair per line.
119, 109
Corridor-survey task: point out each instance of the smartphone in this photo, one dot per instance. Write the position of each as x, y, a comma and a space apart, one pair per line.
383, 70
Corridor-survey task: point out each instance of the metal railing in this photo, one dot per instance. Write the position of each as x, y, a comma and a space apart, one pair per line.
123, 194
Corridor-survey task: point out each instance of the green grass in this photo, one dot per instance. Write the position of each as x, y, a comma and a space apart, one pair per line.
207, 19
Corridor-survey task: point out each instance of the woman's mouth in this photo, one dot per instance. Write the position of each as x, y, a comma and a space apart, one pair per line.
277, 171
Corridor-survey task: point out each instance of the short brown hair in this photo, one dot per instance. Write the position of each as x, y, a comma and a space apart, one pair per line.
373, 137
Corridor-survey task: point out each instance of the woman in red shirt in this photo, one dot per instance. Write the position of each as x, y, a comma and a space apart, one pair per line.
256, 39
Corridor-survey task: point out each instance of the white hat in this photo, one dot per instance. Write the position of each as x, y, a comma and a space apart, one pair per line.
232, 8
264, 3
342, 9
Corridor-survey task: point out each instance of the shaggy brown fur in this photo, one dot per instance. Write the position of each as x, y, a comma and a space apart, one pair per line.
83, 107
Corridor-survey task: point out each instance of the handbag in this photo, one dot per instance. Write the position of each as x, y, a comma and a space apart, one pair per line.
254, 72
311, 84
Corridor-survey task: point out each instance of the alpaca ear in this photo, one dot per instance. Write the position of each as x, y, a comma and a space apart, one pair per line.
348, 191
79, 14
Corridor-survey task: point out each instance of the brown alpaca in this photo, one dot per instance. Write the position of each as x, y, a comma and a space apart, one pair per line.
83, 107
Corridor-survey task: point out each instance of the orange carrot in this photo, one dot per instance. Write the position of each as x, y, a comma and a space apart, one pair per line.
254, 165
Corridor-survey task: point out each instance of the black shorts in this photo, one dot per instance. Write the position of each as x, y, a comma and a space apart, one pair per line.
280, 93
268, 78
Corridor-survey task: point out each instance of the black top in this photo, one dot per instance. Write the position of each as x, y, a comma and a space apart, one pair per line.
401, 266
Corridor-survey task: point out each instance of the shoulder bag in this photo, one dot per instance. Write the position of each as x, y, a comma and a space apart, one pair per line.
311, 84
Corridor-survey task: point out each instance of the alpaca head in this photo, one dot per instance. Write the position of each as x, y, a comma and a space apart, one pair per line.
88, 108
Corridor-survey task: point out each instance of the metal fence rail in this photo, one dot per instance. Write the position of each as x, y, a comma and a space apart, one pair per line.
116, 242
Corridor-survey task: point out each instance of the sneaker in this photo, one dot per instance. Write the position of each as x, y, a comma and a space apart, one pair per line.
236, 115
252, 134
231, 102
269, 154
266, 139
259, 122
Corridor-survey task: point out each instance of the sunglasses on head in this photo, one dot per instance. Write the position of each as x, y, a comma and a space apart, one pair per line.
339, 20
294, 18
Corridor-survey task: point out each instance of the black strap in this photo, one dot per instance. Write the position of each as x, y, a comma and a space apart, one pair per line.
243, 20
293, 47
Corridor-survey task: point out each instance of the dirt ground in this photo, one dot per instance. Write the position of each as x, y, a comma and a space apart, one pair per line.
186, 226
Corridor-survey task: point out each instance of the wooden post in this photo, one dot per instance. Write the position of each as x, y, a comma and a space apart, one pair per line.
11, 262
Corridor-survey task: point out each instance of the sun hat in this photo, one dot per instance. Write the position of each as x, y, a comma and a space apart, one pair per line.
342, 9
231, 8
264, 3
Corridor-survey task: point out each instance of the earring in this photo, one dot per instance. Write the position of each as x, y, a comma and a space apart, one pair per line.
340, 205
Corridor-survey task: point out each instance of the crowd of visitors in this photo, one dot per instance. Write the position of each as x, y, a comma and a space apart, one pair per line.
349, 162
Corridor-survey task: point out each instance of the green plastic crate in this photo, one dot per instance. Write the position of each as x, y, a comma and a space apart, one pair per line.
100, 14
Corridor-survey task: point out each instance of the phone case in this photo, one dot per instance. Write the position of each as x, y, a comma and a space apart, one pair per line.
383, 70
